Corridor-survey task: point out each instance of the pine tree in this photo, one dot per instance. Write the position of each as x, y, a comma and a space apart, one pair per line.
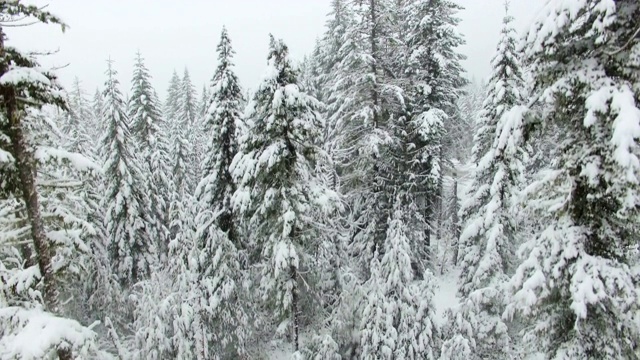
488, 240
146, 128
576, 283
216, 186
278, 187
96, 107
131, 248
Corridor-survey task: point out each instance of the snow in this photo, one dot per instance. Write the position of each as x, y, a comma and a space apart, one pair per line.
38, 333
5, 157
18, 75
78, 161
626, 131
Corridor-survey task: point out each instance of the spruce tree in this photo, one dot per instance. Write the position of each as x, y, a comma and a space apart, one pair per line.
576, 283
488, 241
278, 187
131, 248
150, 146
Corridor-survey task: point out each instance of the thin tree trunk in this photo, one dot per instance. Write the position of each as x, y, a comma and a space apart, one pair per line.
456, 222
294, 310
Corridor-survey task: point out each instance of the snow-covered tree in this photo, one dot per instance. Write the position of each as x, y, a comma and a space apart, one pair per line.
576, 284
40, 233
488, 240
172, 103
131, 248
217, 186
432, 87
367, 98
151, 148
96, 107
278, 191
203, 105
397, 321
80, 122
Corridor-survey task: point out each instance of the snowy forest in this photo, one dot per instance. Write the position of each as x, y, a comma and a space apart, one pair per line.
370, 201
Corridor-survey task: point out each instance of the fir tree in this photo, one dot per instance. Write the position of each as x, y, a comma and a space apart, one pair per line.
43, 244
173, 97
216, 186
488, 240
278, 186
397, 322
368, 98
576, 283
432, 90
96, 107
79, 122
131, 248
151, 148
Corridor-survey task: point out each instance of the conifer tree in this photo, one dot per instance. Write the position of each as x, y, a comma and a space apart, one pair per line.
172, 103
368, 97
204, 102
146, 128
431, 91
131, 248
278, 187
576, 283
217, 186
79, 122
40, 248
96, 107
488, 241
397, 322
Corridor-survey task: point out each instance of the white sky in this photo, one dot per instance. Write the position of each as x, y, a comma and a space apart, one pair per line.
174, 34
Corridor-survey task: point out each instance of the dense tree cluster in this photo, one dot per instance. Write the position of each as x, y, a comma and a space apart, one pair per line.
321, 214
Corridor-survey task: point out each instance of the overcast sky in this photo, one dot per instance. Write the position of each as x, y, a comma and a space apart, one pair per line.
175, 34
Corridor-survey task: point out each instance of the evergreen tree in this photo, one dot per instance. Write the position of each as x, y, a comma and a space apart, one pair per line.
576, 283
203, 107
79, 122
96, 107
432, 88
278, 187
131, 248
397, 322
216, 186
186, 131
488, 240
151, 149
40, 234
368, 97
172, 104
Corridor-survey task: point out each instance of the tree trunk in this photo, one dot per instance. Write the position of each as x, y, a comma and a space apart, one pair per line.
456, 222
294, 310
